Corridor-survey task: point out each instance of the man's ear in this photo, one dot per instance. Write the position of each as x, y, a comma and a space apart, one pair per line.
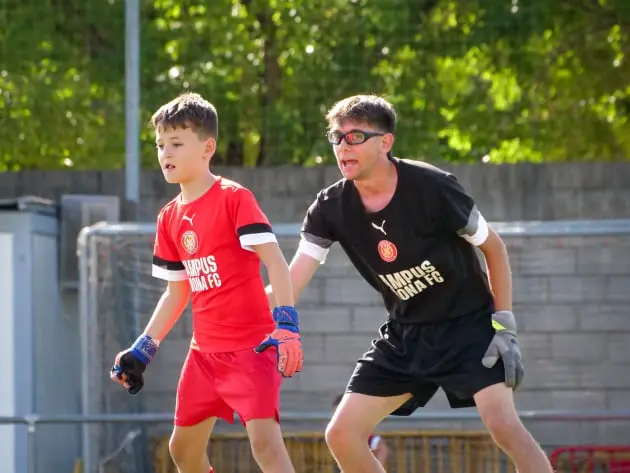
387, 142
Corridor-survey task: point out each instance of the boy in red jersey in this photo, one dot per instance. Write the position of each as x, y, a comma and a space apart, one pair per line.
209, 243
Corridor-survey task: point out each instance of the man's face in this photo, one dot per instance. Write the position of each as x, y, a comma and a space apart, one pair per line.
182, 154
359, 147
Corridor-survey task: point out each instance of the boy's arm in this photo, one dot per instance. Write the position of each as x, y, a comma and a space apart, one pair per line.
130, 364
168, 310
255, 234
278, 272
286, 336
167, 266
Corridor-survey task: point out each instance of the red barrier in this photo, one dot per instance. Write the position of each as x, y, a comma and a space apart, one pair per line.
591, 459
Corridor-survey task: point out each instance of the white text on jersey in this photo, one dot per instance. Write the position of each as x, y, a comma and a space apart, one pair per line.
202, 273
411, 282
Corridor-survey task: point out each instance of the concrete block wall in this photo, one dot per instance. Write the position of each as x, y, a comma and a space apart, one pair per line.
572, 300
550, 191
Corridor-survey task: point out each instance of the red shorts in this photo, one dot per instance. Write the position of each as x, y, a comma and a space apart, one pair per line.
219, 384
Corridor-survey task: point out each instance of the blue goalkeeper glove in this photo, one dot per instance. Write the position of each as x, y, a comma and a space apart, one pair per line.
286, 339
129, 365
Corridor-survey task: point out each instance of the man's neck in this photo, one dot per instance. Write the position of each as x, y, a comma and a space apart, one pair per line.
382, 181
192, 190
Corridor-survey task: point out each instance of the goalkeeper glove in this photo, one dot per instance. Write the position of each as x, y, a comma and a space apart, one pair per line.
286, 339
504, 345
129, 365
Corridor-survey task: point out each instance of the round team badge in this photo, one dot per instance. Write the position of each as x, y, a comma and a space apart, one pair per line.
387, 251
190, 242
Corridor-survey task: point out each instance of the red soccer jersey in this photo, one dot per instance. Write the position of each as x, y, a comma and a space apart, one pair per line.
209, 242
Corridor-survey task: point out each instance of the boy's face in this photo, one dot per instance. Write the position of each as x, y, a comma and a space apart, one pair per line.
182, 154
357, 160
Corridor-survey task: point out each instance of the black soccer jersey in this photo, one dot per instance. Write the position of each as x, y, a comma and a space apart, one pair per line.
418, 252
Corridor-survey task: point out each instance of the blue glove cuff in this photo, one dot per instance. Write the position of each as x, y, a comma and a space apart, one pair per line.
144, 349
286, 317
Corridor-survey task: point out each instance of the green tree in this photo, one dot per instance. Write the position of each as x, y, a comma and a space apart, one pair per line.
475, 80
61, 92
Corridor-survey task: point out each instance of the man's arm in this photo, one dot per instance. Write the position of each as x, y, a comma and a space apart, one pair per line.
499, 272
504, 344
302, 269
462, 217
316, 238
168, 310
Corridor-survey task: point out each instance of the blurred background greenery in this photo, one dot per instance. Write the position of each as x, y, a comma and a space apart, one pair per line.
493, 81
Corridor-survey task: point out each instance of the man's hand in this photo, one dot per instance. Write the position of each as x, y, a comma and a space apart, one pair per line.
286, 339
129, 365
504, 345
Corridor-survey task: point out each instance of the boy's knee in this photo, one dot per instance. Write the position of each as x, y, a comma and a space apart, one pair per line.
265, 448
182, 454
177, 450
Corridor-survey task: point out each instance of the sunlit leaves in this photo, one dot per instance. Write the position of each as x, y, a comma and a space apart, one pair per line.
488, 81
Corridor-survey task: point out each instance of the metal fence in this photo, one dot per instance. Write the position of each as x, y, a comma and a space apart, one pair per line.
570, 294
413, 447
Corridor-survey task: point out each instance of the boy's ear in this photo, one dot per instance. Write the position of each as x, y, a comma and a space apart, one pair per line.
211, 147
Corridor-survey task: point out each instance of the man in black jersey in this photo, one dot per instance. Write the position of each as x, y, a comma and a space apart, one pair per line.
411, 230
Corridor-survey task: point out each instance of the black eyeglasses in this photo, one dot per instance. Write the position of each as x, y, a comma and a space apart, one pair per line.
353, 137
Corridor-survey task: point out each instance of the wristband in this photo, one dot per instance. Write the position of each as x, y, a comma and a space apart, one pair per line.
144, 348
286, 317
504, 321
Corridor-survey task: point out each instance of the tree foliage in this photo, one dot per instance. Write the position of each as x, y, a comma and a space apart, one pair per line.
496, 81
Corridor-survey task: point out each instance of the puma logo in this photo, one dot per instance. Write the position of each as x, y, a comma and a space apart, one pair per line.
380, 228
190, 219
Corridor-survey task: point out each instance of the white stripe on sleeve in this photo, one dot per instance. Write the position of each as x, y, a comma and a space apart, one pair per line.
249, 240
168, 275
481, 234
313, 250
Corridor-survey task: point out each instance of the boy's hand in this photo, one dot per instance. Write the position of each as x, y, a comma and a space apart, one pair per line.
286, 339
130, 364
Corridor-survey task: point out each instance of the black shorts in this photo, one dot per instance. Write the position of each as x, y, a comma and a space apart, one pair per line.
420, 358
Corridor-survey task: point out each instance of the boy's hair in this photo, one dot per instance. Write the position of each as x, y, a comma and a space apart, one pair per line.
188, 110
371, 109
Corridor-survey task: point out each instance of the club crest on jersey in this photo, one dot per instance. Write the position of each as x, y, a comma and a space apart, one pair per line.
190, 242
387, 251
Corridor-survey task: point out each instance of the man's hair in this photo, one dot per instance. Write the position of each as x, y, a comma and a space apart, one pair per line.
371, 109
188, 110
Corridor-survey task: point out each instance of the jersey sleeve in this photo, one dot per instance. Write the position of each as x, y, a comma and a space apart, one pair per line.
250, 222
167, 264
460, 211
316, 238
